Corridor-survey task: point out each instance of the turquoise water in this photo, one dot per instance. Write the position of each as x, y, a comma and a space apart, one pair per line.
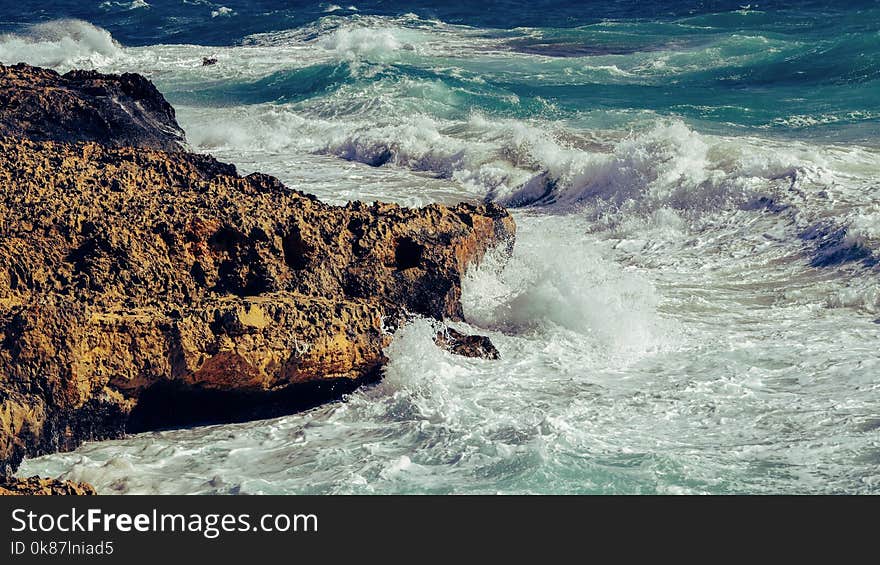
790, 68
693, 299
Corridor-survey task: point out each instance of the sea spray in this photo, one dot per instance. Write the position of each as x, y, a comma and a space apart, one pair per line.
62, 44
691, 303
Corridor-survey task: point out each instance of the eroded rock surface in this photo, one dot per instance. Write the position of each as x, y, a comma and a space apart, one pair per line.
143, 288
126, 269
116, 110
40, 486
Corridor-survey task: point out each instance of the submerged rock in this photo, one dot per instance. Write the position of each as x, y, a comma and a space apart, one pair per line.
143, 288
466, 345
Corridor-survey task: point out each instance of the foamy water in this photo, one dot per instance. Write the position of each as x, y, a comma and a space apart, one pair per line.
691, 305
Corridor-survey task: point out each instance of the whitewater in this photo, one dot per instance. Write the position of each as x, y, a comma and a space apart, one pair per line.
692, 305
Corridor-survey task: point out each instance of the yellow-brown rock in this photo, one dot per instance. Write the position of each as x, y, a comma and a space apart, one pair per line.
43, 487
142, 288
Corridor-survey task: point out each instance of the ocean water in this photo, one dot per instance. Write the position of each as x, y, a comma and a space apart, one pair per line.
693, 302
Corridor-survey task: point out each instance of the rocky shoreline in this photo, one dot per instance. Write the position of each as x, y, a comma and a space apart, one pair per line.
144, 286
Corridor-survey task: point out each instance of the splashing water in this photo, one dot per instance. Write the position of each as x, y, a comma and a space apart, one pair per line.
692, 300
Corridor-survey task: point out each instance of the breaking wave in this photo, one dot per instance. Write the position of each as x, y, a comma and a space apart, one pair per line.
62, 44
691, 302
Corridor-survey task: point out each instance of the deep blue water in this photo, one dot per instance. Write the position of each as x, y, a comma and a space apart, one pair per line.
190, 21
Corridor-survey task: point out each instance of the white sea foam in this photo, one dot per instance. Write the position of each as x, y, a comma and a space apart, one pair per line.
133, 5
663, 322
60, 44
516, 163
361, 41
554, 281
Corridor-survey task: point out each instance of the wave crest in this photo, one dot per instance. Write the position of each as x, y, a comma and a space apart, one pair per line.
60, 44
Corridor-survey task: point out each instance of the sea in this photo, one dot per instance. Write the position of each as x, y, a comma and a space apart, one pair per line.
692, 305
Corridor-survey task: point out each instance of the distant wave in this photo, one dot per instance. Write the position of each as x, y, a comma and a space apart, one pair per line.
60, 44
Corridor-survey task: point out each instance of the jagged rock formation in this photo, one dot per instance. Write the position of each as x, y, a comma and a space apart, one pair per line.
143, 288
466, 345
117, 111
40, 486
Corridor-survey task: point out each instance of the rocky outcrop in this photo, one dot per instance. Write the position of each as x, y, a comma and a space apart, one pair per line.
115, 110
466, 345
143, 288
39, 486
